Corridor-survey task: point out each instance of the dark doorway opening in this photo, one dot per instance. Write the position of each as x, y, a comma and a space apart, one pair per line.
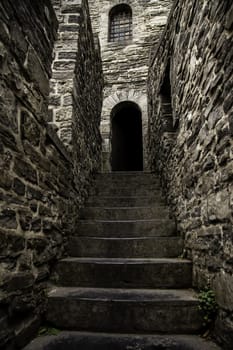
127, 149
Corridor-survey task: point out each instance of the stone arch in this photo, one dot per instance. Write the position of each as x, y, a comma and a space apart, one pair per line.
109, 103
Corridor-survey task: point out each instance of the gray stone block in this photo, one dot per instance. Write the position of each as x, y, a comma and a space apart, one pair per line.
125, 247
124, 273
124, 310
95, 341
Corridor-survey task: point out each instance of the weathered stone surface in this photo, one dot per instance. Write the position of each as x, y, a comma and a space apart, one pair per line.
75, 30
11, 243
124, 273
121, 342
136, 247
223, 285
19, 280
105, 292
38, 193
19, 187
134, 228
223, 330
30, 129
25, 170
95, 309
26, 330
8, 219
194, 58
125, 64
191, 147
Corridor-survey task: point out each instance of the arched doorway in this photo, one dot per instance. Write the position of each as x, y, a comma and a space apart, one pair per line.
126, 137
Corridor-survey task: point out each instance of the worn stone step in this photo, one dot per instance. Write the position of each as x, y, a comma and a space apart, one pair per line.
116, 341
127, 173
127, 191
128, 228
124, 213
129, 247
124, 273
136, 178
126, 201
124, 310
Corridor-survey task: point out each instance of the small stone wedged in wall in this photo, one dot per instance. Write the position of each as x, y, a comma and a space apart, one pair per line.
196, 168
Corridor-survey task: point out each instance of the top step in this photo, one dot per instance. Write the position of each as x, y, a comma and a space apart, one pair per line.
127, 173
127, 177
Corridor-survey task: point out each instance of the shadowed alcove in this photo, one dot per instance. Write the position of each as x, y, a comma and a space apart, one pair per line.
126, 140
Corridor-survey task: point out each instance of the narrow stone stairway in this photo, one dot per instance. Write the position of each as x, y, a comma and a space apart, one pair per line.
123, 273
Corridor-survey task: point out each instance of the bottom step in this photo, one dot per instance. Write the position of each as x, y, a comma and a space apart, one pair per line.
95, 341
124, 310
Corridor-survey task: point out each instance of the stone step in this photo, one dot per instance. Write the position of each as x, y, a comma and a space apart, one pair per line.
126, 201
124, 273
130, 247
125, 191
134, 178
124, 310
116, 341
124, 213
128, 228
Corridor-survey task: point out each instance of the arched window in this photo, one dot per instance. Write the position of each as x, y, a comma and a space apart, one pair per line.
120, 23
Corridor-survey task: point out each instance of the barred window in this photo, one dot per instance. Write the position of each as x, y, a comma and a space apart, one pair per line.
120, 23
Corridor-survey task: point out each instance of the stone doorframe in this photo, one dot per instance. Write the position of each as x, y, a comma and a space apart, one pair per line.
109, 103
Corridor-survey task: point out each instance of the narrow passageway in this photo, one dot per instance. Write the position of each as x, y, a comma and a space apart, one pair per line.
123, 279
127, 149
123, 274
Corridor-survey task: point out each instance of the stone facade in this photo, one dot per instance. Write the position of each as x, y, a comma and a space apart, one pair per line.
41, 188
125, 66
87, 104
191, 140
61, 83
70, 14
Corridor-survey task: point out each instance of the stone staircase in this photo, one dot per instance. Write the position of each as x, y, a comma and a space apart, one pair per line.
123, 273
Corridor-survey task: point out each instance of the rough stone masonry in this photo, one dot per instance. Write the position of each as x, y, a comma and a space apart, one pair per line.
42, 184
191, 140
125, 64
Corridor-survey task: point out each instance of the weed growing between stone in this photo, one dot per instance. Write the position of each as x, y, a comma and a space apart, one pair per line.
208, 307
43, 331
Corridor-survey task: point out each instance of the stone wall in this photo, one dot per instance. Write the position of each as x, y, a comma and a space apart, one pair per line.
87, 103
191, 140
61, 83
71, 14
40, 196
125, 65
